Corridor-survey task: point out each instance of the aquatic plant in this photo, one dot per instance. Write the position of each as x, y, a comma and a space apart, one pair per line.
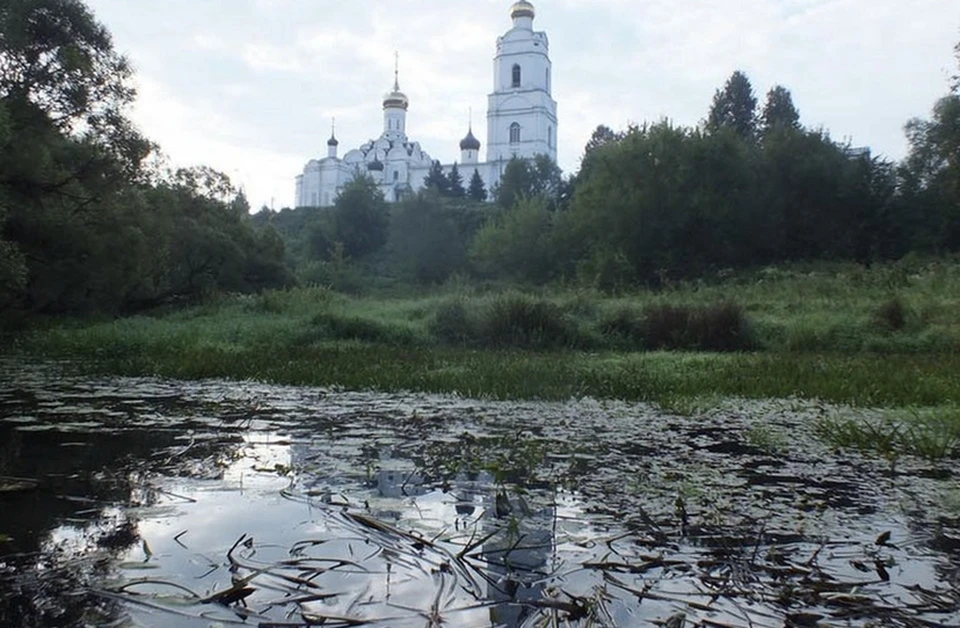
932, 433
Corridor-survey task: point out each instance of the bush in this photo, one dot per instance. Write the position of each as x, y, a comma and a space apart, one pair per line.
333, 326
891, 315
451, 325
721, 327
516, 320
624, 324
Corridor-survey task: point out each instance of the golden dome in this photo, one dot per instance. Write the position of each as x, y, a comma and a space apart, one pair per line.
522, 9
396, 100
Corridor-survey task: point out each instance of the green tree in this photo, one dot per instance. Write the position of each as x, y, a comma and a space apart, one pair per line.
427, 239
956, 77
477, 190
734, 107
601, 136
931, 173
455, 187
517, 244
523, 178
779, 112
437, 180
56, 56
13, 270
361, 220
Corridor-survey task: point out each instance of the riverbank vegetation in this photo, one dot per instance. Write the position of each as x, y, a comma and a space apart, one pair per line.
746, 255
885, 336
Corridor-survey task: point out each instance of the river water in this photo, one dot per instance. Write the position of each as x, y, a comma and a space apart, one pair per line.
152, 502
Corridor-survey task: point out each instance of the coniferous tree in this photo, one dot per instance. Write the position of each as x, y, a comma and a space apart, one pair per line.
360, 218
779, 111
455, 187
477, 190
601, 136
437, 180
734, 107
956, 77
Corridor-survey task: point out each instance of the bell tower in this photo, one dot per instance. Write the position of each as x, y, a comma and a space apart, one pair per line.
521, 111
395, 105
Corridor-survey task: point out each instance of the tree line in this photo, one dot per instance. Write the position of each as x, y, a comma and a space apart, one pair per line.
91, 221
749, 186
88, 219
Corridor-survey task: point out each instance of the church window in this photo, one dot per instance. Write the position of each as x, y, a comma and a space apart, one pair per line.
396, 175
515, 133
548, 80
516, 75
549, 137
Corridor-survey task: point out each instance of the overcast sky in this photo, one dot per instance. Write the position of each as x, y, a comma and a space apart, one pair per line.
249, 86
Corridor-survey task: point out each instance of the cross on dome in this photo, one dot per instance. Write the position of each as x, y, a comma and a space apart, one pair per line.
396, 99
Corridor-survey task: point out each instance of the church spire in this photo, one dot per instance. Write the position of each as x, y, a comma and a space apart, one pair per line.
396, 99
470, 145
333, 133
332, 143
396, 71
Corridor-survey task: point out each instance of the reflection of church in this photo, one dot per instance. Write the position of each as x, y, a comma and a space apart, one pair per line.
521, 122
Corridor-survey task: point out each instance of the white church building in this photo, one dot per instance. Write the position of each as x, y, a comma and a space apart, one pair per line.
521, 123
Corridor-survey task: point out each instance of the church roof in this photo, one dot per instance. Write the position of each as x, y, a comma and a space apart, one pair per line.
396, 100
470, 142
522, 9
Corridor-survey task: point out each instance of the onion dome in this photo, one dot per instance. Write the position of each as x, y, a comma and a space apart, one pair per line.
470, 142
333, 141
375, 166
396, 99
522, 9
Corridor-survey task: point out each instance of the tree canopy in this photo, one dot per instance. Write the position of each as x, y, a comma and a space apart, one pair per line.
734, 107
779, 112
83, 225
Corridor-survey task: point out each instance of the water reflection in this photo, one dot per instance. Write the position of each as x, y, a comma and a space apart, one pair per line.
185, 504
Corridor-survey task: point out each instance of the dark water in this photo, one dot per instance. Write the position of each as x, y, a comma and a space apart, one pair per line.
147, 502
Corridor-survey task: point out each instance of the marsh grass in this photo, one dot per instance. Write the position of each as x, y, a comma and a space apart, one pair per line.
809, 332
931, 433
768, 439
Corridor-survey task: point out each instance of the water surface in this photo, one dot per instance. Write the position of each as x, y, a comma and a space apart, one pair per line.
149, 502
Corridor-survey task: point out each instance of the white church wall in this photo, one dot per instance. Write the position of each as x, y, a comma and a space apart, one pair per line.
528, 104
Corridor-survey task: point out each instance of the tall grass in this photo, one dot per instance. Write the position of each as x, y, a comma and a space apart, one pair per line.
932, 433
830, 332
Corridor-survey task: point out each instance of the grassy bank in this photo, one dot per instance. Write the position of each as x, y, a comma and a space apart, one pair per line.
887, 336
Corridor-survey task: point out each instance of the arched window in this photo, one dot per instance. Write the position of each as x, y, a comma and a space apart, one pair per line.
516, 75
549, 137
515, 133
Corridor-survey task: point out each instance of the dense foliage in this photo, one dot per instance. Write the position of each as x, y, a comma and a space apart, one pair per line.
89, 223
85, 225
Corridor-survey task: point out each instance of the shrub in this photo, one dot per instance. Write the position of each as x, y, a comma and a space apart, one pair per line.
721, 327
667, 327
450, 324
625, 324
333, 326
516, 320
891, 315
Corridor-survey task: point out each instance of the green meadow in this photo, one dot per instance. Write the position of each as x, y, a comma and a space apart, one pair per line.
887, 336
